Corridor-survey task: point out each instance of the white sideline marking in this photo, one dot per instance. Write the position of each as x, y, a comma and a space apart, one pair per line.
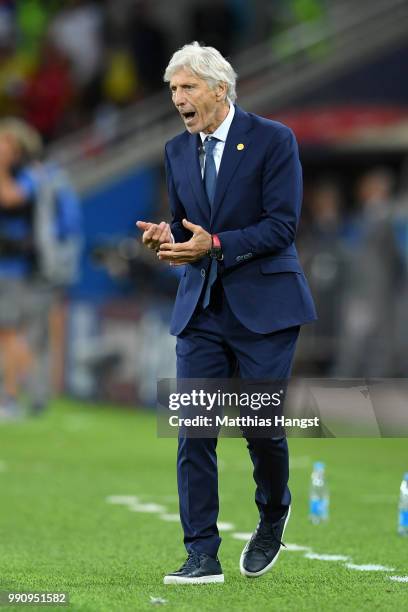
399, 578
153, 508
133, 504
296, 548
170, 517
325, 557
122, 499
157, 600
239, 535
369, 567
222, 526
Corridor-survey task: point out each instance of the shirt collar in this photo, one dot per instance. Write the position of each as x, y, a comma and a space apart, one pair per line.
222, 130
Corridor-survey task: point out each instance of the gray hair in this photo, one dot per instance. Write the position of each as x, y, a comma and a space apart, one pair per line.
206, 63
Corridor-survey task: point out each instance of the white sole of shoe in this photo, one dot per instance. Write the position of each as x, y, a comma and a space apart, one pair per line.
245, 572
202, 580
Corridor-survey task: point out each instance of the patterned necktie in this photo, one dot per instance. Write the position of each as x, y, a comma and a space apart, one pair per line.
210, 181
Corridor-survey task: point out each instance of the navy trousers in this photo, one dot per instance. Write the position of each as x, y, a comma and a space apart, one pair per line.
214, 345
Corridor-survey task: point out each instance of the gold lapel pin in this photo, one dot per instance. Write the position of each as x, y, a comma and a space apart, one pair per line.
240, 146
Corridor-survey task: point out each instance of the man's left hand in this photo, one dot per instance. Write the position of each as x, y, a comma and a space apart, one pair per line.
180, 253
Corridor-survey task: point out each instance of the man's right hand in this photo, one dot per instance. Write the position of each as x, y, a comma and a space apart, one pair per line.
154, 234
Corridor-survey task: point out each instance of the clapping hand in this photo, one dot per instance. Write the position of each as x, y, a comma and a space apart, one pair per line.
179, 253
154, 234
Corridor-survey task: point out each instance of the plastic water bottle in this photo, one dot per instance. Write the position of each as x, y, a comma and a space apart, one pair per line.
403, 507
319, 495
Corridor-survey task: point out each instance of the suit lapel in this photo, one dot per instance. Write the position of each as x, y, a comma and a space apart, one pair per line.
192, 165
235, 149
231, 158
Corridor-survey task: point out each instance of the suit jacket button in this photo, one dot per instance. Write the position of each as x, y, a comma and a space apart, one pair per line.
203, 272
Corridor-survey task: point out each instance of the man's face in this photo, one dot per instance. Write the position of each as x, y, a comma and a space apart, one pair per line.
202, 109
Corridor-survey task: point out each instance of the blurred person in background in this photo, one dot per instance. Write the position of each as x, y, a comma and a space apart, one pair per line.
400, 224
35, 205
32, 18
77, 30
147, 39
374, 280
15, 69
325, 258
23, 26
49, 93
120, 83
18, 146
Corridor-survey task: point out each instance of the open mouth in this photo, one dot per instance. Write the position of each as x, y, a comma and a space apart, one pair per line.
188, 116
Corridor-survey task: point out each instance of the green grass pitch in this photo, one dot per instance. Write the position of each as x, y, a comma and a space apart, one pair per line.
58, 533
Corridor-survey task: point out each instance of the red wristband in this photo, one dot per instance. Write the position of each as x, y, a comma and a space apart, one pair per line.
216, 242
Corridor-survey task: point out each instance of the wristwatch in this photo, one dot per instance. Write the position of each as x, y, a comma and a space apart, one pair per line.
216, 249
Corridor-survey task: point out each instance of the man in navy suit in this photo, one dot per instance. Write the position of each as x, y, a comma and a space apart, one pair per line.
235, 189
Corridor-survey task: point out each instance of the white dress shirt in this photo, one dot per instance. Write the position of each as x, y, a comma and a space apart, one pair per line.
221, 133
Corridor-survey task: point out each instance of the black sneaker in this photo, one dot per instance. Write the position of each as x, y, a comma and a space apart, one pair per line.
198, 568
262, 550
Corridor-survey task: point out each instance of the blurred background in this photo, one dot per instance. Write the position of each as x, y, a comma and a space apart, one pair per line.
84, 115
